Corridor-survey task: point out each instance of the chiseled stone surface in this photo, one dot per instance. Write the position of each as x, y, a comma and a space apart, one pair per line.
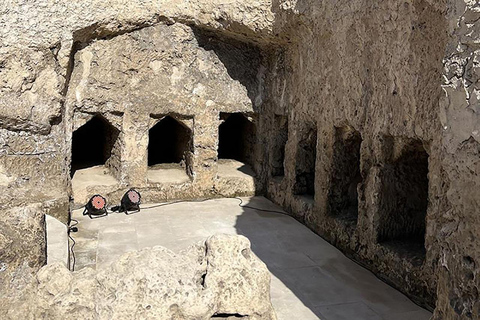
390, 73
22, 247
62, 62
393, 72
220, 276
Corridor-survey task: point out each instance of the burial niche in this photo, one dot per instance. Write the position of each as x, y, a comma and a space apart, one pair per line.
278, 146
95, 143
404, 199
345, 175
305, 164
236, 138
170, 142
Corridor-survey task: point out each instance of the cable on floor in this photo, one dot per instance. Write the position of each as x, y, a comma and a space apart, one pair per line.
175, 202
258, 209
73, 227
208, 199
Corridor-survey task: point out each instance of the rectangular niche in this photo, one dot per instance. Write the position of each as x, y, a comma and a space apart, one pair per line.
404, 198
96, 153
236, 137
170, 149
306, 156
236, 154
345, 175
279, 141
96, 143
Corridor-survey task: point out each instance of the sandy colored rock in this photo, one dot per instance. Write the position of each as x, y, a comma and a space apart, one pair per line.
365, 116
220, 276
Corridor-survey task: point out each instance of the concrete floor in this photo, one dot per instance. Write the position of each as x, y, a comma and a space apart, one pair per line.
310, 278
57, 240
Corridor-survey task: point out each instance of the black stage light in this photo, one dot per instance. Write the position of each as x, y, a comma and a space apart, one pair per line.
130, 201
96, 206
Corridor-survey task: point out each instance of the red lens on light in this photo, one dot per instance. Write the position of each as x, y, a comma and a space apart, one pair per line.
98, 202
133, 196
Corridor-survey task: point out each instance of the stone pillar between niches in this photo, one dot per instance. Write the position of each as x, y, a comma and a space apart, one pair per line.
371, 156
378, 146
135, 152
325, 150
260, 153
205, 143
289, 162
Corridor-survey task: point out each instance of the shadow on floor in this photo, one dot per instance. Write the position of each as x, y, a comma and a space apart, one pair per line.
311, 279
329, 285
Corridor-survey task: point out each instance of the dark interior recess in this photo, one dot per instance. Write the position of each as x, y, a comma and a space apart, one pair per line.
279, 143
404, 201
345, 175
305, 164
236, 138
92, 143
169, 142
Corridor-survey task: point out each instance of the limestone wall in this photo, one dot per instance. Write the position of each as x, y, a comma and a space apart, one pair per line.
366, 115
457, 220
366, 76
137, 78
130, 63
390, 89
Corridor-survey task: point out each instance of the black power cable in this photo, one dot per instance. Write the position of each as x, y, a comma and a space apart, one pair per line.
73, 228
258, 209
175, 202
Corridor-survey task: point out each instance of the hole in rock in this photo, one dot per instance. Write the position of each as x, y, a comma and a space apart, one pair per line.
169, 142
95, 143
345, 175
279, 142
169, 147
228, 315
236, 138
404, 201
305, 164
202, 279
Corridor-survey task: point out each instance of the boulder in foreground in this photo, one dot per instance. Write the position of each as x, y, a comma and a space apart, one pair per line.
220, 277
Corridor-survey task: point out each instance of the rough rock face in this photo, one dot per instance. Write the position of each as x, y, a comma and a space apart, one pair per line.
366, 119
390, 89
135, 79
22, 246
218, 278
364, 79
457, 223
47, 91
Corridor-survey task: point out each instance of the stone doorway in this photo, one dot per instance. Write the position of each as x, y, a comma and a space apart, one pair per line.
93, 144
170, 150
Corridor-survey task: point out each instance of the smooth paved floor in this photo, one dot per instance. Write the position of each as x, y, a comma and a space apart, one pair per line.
310, 278
57, 240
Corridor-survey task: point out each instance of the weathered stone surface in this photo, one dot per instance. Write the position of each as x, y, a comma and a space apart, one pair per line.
63, 62
22, 246
135, 79
37, 39
220, 276
370, 70
399, 76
